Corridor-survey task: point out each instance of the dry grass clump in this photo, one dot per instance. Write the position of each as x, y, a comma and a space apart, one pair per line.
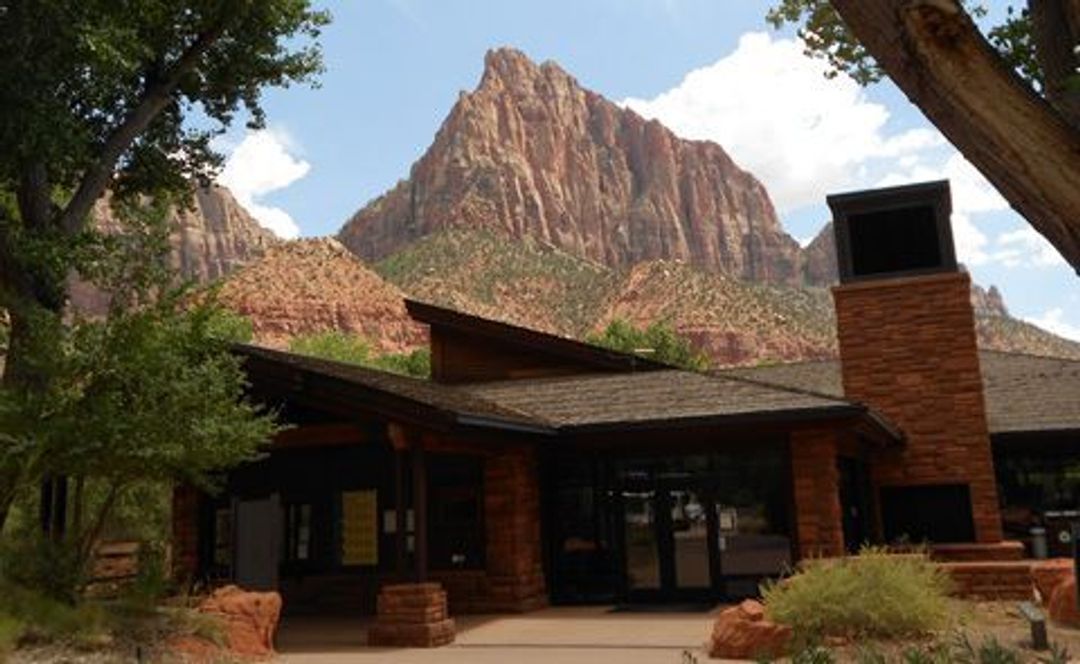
872, 595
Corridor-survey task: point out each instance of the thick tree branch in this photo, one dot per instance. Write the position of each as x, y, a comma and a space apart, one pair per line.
934, 53
1056, 32
154, 100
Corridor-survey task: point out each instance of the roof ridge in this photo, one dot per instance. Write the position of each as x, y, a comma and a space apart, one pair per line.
788, 388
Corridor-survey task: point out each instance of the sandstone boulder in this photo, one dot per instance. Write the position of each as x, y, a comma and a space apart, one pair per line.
743, 632
1048, 574
1063, 607
249, 618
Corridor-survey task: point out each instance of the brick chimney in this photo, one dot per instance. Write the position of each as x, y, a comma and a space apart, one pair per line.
906, 332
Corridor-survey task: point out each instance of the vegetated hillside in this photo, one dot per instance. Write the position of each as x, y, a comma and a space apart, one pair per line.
531, 153
307, 286
998, 332
735, 322
496, 276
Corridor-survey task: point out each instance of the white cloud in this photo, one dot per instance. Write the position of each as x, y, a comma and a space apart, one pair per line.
1054, 321
261, 163
1024, 247
773, 109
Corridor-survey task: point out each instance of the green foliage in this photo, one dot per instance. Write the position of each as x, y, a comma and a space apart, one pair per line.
30, 560
1013, 39
354, 349
827, 37
874, 594
957, 648
31, 616
658, 341
814, 654
10, 631
84, 67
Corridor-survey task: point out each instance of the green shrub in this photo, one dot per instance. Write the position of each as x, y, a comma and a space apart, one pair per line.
10, 631
39, 618
31, 560
874, 594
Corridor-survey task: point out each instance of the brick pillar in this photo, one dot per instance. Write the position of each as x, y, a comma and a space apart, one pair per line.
185, 532
512, 524
412, 615
907, 349
819, 528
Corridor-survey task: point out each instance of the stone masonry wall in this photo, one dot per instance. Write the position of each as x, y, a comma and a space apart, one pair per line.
819, 530
515, 577
907, 347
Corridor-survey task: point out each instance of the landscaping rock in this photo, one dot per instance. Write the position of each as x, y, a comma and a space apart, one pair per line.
249, 618
743, 632
1048, 574
1062, 606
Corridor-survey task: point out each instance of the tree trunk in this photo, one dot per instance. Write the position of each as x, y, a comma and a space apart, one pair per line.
933, 52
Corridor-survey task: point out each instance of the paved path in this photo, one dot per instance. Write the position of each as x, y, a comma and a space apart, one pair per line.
566, 634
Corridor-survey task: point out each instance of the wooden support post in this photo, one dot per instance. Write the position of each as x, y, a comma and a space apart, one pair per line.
419, 491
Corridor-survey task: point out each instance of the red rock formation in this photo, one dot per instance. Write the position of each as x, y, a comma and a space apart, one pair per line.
316, 285
531, 152
1063, 607
249, 619
1047, 575
743, 632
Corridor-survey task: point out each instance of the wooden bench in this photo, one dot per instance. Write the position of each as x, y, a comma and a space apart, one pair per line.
1037, 620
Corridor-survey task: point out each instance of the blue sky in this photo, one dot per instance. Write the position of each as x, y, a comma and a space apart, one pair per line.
707, 68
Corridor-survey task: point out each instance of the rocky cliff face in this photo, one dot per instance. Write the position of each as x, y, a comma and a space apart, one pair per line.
211, 238
532, 153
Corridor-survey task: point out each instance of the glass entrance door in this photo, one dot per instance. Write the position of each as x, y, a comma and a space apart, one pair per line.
667, 543
642, 541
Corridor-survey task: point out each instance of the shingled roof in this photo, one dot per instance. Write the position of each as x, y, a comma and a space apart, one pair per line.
1024, 393
419, 398
579, 403
657, 398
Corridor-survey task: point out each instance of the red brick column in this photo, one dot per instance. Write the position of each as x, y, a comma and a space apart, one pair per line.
907, 348
185, 532
819, 528
412, 615
512, 523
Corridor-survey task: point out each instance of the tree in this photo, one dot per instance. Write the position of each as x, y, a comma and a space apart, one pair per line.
145, 396
122, 96
354, 349
150, 393
1009, 101
658, 341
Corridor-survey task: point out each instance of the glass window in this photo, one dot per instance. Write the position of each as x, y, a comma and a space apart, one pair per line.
455, 512
297, 532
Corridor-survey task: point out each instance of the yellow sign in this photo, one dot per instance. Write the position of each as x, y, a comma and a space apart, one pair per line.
359, 528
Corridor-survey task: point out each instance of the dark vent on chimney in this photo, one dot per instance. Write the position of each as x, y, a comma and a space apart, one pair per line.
883, 233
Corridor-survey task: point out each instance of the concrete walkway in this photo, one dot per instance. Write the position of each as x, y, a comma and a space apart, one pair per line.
564, 634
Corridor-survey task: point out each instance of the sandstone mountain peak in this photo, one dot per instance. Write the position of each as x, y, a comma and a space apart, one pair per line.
530, 152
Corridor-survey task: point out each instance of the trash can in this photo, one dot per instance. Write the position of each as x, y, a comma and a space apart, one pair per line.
1059, 541
1039, 549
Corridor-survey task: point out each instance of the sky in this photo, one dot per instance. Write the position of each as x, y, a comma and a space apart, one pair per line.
708, 69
